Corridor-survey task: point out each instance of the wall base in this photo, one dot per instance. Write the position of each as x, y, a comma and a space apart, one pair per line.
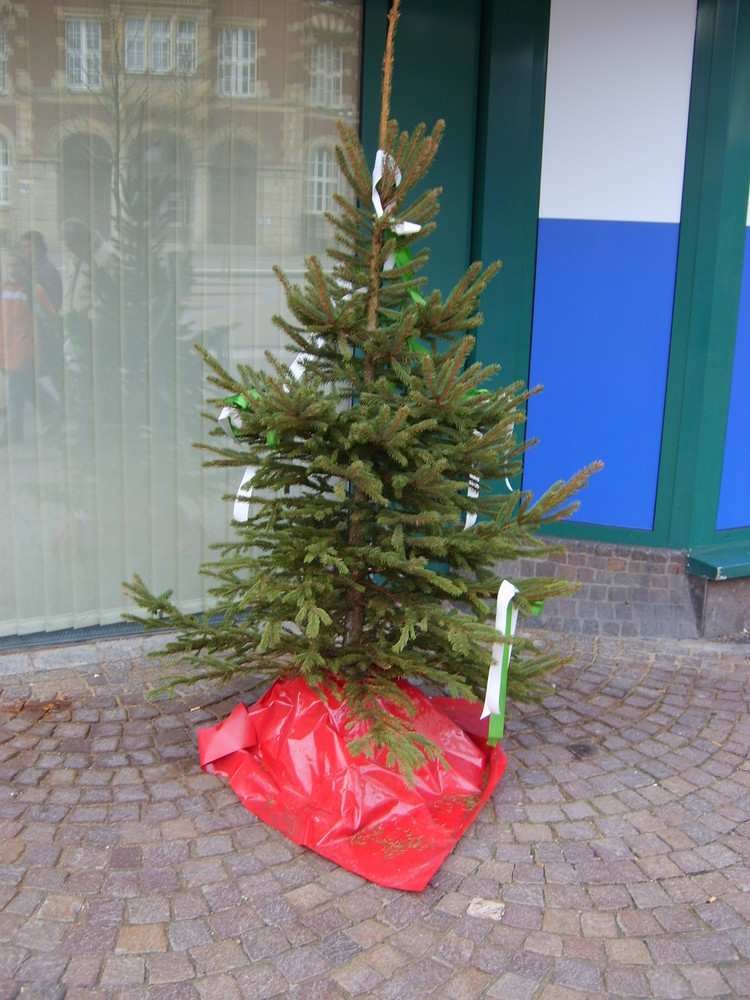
723, 607
637, 592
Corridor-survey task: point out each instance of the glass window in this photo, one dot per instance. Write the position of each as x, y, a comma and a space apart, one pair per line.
237, 62
5, 172
161, 44
187, 47
135, 44
83, 54
323, 181
327, 70
157, 217
155, 36
3, 59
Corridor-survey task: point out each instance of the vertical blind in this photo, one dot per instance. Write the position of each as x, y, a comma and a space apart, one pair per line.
154, 165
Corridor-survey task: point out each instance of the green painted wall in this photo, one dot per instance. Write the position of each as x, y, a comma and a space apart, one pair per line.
436, 76
509, 151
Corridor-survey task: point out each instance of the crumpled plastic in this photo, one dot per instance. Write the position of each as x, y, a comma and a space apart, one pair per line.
287, 760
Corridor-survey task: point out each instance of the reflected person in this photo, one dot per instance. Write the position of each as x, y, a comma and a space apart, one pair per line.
48, 338
90, 314
18, 298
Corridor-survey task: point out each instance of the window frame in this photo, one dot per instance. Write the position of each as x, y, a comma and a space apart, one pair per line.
3, 58
135, 47
232, 63
160, 51
327, 74
186, 44
323, 181
6, 171
83, 61
161, 56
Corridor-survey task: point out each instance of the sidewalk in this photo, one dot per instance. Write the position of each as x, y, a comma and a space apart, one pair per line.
612, 861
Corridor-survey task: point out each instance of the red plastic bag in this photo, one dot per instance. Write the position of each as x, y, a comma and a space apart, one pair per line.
287, 760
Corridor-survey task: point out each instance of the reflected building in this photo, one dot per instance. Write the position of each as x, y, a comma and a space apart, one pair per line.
227, 108
169, 153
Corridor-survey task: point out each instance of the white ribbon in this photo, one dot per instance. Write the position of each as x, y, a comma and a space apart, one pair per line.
497, 678
472, 493
473, 490
241, 507
225, 419
399, 228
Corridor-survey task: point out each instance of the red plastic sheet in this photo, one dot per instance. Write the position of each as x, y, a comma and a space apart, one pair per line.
287, 760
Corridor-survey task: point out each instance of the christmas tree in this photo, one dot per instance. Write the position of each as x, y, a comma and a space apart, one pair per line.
378, 464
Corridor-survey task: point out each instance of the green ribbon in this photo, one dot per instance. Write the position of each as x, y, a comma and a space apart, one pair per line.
497, 722
241, 402
402, 257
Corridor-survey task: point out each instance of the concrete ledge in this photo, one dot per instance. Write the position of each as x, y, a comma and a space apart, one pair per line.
722, 607
719, 562
84, 657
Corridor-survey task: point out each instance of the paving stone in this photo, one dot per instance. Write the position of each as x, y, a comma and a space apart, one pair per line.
705, 982
544, 943
82, 970
585, 949
582, 976
338, 948
324, 989
511, 985
171, 967
466, 985
264, 943
123, 970
141, 938
626, 982
738, 977
668, 984
127, 873
218, 987
218, 957
300, 964
386, 958
357, 977
562, 922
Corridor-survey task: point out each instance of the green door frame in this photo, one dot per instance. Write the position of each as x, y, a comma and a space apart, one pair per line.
709, 274
513, 72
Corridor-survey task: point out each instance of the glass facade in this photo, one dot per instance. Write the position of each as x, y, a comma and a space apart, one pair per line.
154, 165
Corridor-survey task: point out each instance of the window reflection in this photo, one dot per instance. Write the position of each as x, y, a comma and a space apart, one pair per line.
83, 53
155, 161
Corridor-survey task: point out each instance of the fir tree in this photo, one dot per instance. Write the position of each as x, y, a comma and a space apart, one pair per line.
356, 566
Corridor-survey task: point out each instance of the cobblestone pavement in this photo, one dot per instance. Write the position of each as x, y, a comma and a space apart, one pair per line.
611, 861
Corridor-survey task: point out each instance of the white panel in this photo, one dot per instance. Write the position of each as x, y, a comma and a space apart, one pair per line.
618, 88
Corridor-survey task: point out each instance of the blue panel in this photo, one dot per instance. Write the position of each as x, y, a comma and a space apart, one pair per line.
734, 499
600, 347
